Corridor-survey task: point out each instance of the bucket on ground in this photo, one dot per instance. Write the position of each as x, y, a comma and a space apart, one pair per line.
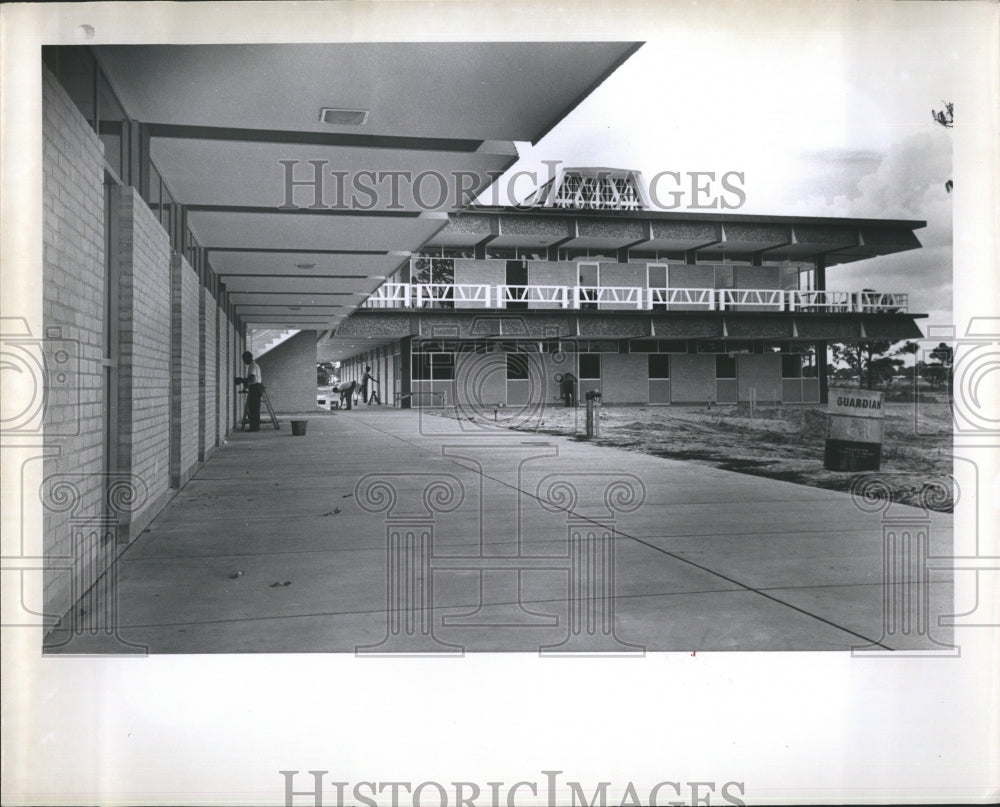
299, 428
854, 430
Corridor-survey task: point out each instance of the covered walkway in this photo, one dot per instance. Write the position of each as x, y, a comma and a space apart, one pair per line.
390, 531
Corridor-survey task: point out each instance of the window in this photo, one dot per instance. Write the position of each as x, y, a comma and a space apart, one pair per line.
517, 367
673, 346
432, 270
791, 366
725, 366
76, 71
659, 346
590, 365
433, 366
798, 365
113, 128
659, 365
442, 366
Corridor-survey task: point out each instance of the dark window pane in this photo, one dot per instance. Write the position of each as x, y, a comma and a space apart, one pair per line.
659, 365
725, 366
791, 366
112, 128
712, 346
154, 190
75, 70
517, 367
421, 367
590, 365
674, 345
442, 366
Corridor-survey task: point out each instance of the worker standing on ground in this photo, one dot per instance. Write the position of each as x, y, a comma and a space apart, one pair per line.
567, 389
368, 384
254, 383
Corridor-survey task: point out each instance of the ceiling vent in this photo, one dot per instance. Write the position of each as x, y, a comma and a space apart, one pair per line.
343, 117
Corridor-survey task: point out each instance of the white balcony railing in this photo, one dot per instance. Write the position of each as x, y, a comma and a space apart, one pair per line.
551, 295
461, 295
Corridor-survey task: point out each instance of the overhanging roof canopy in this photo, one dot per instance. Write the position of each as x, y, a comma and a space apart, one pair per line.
232, 128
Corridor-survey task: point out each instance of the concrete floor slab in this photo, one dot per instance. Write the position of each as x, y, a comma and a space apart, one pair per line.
479, 527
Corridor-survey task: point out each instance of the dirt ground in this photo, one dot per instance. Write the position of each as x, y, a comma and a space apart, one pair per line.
777, 442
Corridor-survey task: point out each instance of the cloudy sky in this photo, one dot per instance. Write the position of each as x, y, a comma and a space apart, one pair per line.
820, 123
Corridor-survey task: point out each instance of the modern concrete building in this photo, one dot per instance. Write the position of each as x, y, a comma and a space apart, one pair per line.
193, 193
646, 306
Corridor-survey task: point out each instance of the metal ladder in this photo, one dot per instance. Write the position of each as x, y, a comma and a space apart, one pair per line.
245, 420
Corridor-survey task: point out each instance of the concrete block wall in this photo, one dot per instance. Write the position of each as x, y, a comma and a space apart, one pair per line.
142, 254
489, 272
686, 276
758, 277
289, 372
130, 425
621, 275
236, 368
73, 308
551, 273
625, 378
184, 351
206, 375
226, 372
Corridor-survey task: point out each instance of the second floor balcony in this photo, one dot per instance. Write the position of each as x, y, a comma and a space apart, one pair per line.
636, 298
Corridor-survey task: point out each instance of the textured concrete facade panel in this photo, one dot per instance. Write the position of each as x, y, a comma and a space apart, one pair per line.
538, 225
468, 223
707, 327
758, 233
686, 230
819, 234
627, 231
368, 323
758, 327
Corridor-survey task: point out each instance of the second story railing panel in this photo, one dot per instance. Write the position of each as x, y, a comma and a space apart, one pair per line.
824, 301
597, 296
547, 295
751, 299
888, 302
680, 299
